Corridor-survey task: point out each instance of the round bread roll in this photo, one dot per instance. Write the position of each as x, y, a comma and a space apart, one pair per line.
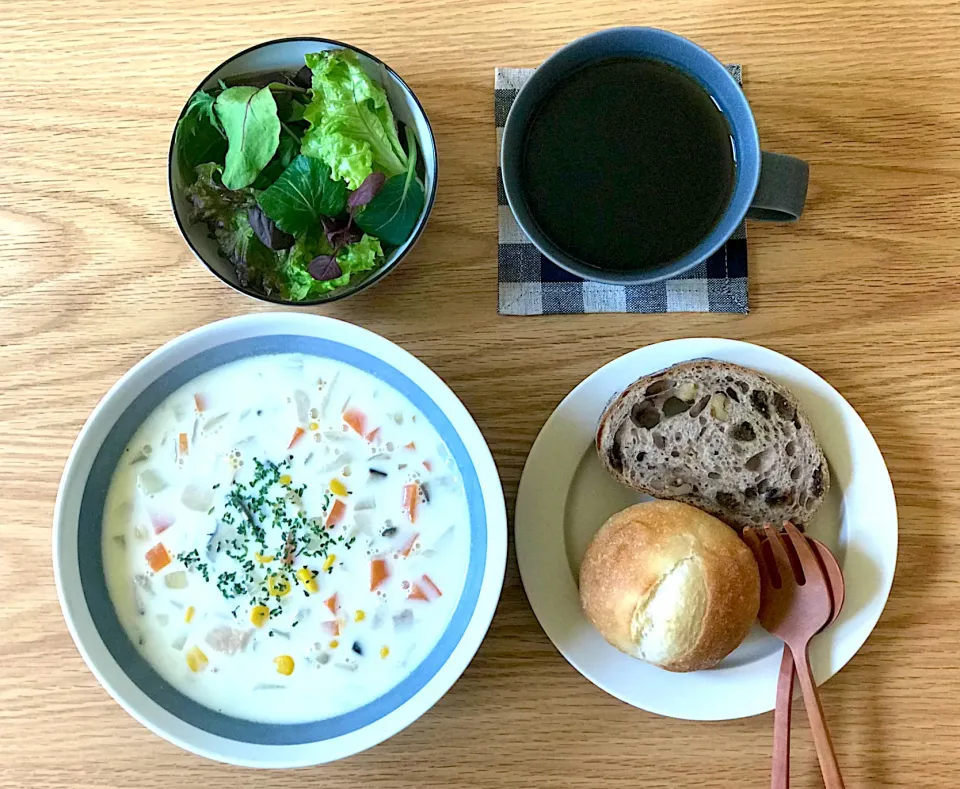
669, 584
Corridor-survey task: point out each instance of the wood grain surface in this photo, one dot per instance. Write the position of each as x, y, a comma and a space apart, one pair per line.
93, 275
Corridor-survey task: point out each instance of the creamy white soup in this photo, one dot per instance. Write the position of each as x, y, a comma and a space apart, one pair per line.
285, 538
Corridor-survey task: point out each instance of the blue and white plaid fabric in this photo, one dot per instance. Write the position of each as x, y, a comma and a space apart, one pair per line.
530, 284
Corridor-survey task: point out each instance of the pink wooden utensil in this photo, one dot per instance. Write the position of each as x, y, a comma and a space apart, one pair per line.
780, 772
795, 604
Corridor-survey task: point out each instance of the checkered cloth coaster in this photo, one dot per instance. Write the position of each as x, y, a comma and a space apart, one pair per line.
530, 284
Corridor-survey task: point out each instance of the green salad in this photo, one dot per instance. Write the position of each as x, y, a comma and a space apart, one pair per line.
304, 181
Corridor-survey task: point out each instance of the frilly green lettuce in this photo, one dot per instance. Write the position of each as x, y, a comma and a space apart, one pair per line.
352, 128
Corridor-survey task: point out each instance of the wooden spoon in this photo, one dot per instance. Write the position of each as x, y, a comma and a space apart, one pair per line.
795, 604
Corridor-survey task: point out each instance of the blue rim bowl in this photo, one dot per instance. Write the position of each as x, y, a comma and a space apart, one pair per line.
78, 565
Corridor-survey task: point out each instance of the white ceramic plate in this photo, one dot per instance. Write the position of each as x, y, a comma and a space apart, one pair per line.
565, 496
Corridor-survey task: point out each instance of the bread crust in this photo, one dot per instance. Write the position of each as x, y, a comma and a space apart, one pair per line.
664, 436
635, 548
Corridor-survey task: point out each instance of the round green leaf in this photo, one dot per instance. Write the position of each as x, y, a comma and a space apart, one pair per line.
303, 194
393, 213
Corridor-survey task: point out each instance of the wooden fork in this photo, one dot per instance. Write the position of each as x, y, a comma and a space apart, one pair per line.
795, 604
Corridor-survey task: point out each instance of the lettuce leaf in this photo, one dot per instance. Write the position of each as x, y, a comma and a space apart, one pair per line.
352, 128
225, 213
287, 151
298, 282
302, 194
395, 209
249, 119
282, 273
362, 255
212, 202
199, 138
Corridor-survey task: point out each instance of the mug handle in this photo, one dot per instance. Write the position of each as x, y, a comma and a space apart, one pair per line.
782, 189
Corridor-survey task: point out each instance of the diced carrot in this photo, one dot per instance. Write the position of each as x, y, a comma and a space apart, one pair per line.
157, 557
411, 500
379, 572
416, 593
356, 419
411, 445
424, 589
332, 627
297, 435
184, 445
332, 603
433, 591
428, 465
200, 402
373, 435
336, 514
408, 546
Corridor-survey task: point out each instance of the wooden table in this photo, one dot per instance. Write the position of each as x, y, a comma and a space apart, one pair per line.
93, 275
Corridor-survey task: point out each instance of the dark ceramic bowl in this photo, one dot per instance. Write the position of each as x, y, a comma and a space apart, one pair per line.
286, 55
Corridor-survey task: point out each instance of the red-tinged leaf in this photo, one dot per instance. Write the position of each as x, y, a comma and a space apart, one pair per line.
265, 229
340, 232
303, 78
324, 267
364, 193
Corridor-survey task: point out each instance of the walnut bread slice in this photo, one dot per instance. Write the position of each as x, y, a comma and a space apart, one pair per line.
718, 436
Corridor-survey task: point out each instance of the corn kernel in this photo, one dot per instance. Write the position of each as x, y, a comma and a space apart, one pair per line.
285, 479
308, 578
334, 644
338, 488
284, 664
314, 426
196, 659
277, 586
259, 615
384, 651
263, 559
189, 614
329, 562
359, 616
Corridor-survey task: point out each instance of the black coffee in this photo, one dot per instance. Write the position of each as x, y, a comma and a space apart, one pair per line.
627, 164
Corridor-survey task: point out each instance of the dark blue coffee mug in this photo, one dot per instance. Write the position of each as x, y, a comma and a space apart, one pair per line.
767, 186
